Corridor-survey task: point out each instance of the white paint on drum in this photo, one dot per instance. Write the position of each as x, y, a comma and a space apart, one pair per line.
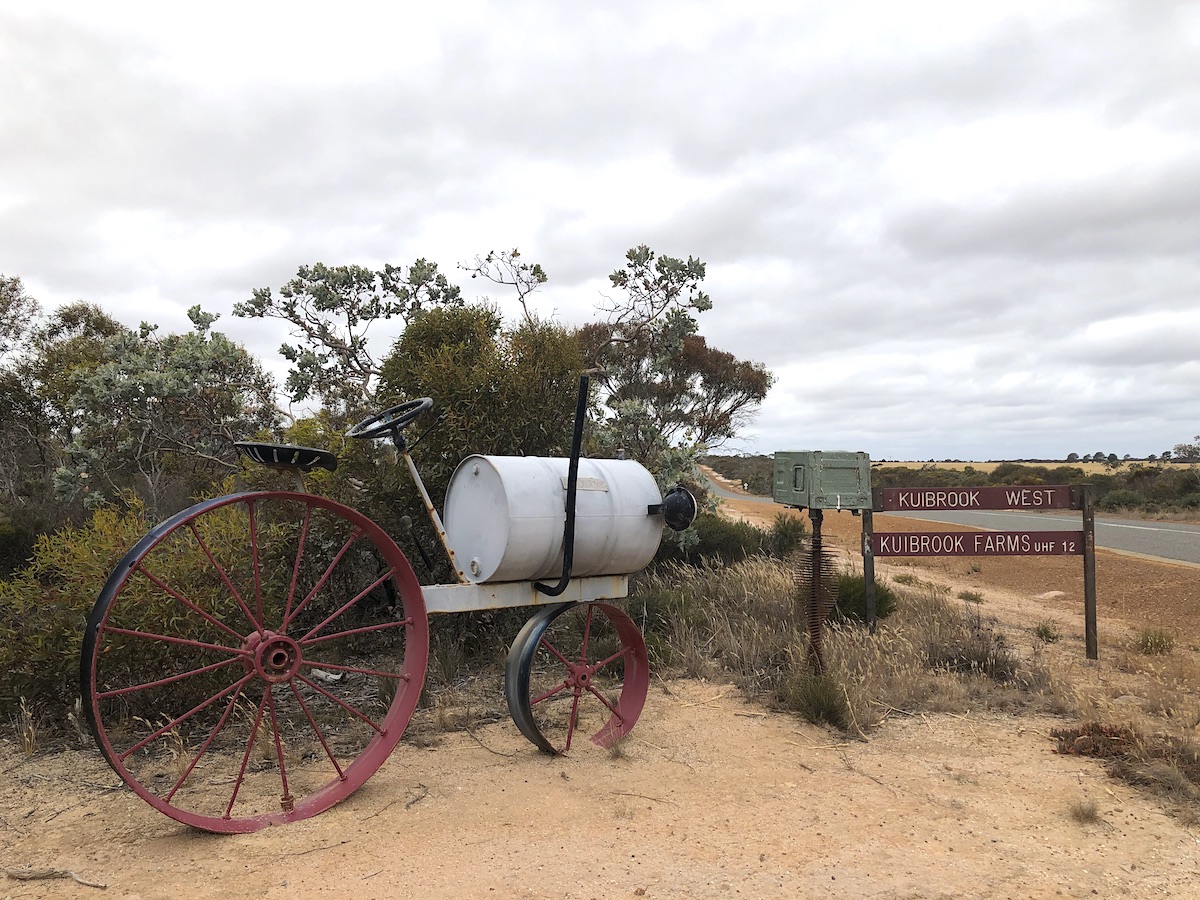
504, 517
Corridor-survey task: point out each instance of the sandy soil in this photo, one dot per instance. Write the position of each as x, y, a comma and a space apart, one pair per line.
710, 796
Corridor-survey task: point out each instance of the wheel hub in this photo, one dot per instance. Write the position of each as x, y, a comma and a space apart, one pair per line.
273, 657
580, 676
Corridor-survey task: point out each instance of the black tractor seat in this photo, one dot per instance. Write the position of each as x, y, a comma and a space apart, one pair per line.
287, 456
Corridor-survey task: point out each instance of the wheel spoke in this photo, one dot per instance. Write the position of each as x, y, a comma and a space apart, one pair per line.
611, 659
187, 642
179, 720
172, 679
365, 629
550, 693
599, 696
241, 775
587, 632
291, 594
554, 650
258, 603
340, 702
204, 747
349, 603
162, 586
286, 801
317, 730
574, 718
255, 623
355, 534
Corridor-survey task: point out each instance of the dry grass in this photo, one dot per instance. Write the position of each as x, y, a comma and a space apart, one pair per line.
1085, 811
1154, 641
1166, 764
744, 624
26, 727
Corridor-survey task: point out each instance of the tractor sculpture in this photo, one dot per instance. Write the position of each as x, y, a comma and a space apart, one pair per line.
254, 659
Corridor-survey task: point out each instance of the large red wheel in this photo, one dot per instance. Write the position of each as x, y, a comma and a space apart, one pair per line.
254, 659
576, 667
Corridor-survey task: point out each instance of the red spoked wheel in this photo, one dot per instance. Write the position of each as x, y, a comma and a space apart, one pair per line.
576, 667
254, 659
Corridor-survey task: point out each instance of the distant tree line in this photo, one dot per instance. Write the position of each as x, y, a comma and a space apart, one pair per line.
1135, 486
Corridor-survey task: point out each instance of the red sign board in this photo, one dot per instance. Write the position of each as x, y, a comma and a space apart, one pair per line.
977, 543
1015, 497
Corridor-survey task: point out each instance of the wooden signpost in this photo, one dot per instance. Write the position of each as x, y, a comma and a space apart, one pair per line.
990, 543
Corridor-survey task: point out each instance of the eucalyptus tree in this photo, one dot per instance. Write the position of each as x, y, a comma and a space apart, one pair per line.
331, 310
160, 414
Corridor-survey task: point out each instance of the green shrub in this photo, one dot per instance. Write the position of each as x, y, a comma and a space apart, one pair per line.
970, 596
724, 539
1121, 498
719, 539
1047, 631
786, 535
44, 608
852, 598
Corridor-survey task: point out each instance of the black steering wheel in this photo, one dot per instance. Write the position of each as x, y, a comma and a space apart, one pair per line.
391, 420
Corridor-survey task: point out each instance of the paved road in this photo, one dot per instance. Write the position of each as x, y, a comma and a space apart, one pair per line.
1164, 540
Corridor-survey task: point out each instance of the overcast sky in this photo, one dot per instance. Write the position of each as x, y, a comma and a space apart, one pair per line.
951, 229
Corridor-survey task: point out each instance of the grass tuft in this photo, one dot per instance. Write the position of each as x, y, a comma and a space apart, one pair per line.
817, 699
1084, 811
1154, 642
27, 729
1047, 632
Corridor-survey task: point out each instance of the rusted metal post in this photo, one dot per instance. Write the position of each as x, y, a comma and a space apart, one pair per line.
816, 574
868, 555
1089, 574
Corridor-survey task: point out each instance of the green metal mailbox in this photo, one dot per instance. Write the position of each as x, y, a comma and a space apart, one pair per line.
816, 479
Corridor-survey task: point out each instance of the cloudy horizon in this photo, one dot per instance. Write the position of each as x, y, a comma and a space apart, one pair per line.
950, 230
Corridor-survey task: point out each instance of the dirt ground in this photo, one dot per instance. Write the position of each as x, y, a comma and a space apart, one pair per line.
710, 796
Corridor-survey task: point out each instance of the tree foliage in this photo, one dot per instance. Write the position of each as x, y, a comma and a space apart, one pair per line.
508, 269
667, 395
17, 312
331, 309
159, 416
1187, 452
497, 391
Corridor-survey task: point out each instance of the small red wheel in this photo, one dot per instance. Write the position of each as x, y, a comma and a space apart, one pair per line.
254, 659
576, 667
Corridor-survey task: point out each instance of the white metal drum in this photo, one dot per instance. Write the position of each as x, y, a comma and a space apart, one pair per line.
505, 514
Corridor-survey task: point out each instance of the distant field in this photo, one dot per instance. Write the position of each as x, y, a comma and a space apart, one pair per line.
1089, 468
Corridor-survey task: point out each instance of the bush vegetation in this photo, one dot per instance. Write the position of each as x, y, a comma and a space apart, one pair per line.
851, 604
724, 540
